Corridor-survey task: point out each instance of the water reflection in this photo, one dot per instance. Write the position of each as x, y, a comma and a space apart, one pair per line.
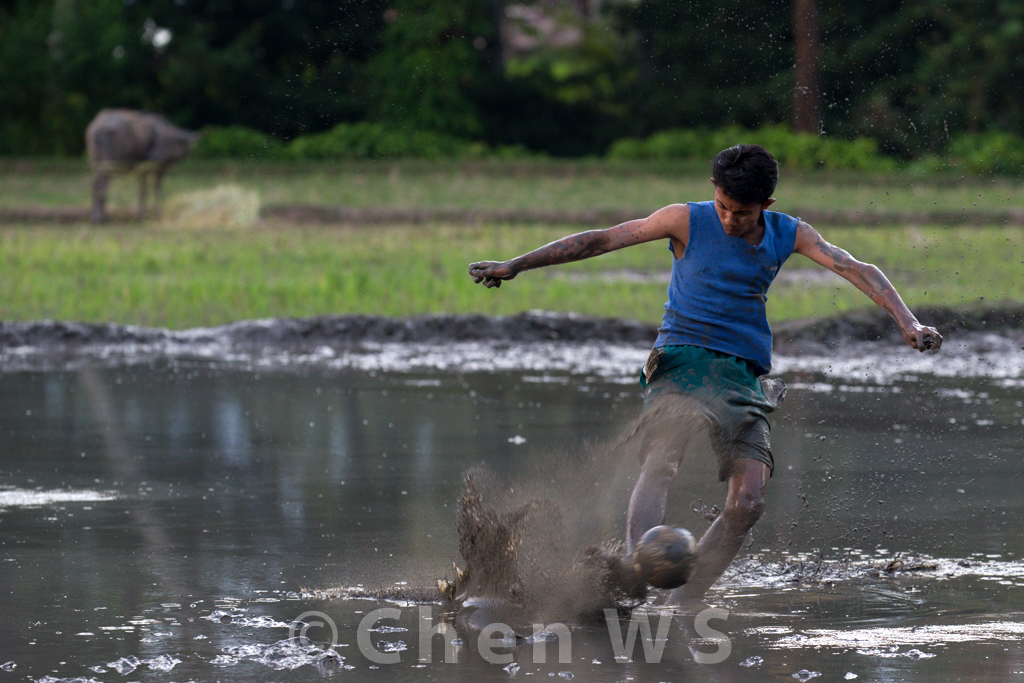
236, 488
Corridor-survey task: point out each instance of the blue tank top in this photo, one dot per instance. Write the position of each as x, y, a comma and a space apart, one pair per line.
718, 291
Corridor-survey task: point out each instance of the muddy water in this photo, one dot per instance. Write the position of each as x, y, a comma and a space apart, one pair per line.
169, 520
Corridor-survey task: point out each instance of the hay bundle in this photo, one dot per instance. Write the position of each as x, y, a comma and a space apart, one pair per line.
226, 205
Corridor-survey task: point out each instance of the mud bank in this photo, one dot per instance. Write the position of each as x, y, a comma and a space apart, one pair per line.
325, 214
535, 341
824, 334
306, 214
309, 333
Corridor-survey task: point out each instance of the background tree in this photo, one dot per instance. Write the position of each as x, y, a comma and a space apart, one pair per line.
567, 75
281, 66
911, 75
709, 63
432, 54
807, 91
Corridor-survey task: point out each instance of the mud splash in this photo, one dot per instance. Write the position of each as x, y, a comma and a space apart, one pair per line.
529, 557
521, 562
547, 545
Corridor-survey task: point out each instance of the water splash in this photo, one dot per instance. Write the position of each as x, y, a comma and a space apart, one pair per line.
287, 654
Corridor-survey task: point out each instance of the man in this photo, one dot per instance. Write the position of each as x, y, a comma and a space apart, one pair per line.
713, 350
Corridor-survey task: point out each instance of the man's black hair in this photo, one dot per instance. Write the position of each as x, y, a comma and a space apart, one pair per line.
747, 173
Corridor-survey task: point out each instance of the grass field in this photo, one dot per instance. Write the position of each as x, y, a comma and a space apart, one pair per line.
157, 274
555, 184
161, 276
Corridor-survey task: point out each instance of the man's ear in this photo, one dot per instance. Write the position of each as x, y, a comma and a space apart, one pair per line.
768, 203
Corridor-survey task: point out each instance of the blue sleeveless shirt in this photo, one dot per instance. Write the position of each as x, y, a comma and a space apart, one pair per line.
718, 291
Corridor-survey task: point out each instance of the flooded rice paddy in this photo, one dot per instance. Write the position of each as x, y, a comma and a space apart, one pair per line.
186, 515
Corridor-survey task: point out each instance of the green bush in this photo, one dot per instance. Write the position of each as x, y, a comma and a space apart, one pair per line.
990, 152
363, 140
235, 142
794, 150
366, 140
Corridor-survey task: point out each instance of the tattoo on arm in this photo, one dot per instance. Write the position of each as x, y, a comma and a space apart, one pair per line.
572, 248
840, 258
872, 282
869, 279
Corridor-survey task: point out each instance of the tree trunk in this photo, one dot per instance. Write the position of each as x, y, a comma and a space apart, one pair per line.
496, 50
806, 94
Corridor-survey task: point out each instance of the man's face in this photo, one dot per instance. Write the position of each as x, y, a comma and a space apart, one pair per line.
738, 218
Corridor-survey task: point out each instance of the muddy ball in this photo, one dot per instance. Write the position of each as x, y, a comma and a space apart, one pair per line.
665, 557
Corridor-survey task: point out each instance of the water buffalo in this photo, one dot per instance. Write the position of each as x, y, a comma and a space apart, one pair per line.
119, 140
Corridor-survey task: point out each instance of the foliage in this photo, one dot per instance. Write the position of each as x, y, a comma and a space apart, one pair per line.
914, 77
366, 140
60, 65
704, 63
982, 154
907, 74
568, 94
23, 63
278, 67
428, 62
371, 140
235, 142
363, 140
794, 150
281, 67
988, 153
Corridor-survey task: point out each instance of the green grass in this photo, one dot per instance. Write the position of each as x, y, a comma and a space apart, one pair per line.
162, 276
159, 276
641, 187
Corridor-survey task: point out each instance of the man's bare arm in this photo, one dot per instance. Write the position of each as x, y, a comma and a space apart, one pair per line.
672, 221
870, 280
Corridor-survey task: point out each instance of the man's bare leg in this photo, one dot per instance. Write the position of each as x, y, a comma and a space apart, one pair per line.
650, 494
669, 425
744, 504
648, 502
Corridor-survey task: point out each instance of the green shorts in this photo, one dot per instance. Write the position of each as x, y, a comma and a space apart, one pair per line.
725, 390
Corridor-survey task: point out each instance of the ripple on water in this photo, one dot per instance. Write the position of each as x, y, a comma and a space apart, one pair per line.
759, 571
13, 497
886, 642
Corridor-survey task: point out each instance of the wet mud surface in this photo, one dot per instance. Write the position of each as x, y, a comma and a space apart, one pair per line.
172, 506
312, 213
50, 343
354, 329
